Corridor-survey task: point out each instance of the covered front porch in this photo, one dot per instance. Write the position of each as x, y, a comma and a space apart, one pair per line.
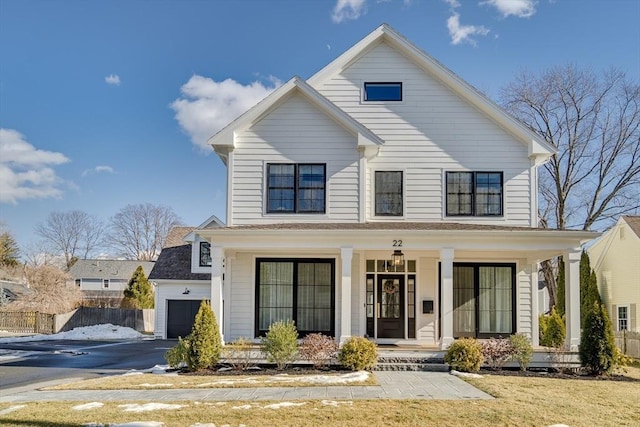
452, 280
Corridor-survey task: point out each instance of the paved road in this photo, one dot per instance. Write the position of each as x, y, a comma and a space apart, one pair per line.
54, 360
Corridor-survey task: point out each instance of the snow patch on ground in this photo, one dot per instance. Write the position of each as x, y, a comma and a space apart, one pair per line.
283, 405
464, 374
95, 332
156, 385
347, 378
87, 406
135, 407
336, 403
133, 424
11, 409
243, 407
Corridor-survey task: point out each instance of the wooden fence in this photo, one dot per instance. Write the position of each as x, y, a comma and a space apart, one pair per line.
629, 343
28, 322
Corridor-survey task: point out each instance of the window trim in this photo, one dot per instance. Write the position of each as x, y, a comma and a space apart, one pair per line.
256, 324
473, 213
402, 194
296, 190
375, 83
627, 319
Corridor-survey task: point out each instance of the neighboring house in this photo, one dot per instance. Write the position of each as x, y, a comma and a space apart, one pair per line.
383, 197
102, 281
615, 258
182, 277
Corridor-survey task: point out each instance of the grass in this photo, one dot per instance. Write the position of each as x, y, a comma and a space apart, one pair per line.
151, 381
520, 401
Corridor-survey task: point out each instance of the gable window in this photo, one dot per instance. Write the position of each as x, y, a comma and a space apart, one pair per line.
389, 91
296, 188
474, 193
205, 254
388, 186
301, 290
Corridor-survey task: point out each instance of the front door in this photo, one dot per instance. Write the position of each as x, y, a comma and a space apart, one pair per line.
390, 306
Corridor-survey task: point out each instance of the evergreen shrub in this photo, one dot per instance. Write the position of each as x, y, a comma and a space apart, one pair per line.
280, 344
522, 350
464, 355
358, 353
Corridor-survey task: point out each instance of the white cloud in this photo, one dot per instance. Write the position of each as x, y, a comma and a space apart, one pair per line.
464, 33
206, 106
518, 8
98, 169
453, 3
113, 79
25, 171
348, 10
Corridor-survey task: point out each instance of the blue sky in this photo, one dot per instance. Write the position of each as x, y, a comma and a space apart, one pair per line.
104, 104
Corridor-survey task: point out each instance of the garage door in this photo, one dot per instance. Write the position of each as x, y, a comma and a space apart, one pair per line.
180, 316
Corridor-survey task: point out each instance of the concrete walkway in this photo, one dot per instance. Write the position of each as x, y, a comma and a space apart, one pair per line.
393, 385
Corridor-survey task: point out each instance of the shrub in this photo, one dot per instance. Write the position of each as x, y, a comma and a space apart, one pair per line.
552, 330
139, 292
205, 343
358, 353
238, 354
621, 360
497, 352
280, 344
464, 355
319, 349
522, 350
597, 347
178, 355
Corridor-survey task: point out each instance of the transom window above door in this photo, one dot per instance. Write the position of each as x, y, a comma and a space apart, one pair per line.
474, 193
388, 190
296, 188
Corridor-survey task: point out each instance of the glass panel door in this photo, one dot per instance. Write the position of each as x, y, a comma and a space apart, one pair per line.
464, 302
390, 306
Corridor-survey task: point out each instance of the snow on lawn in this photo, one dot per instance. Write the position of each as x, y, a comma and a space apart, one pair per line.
11, 409
135, 407
347, 378
87, 406
95, 332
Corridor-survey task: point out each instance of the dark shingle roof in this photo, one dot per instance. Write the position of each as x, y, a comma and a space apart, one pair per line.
107, 268
174, 262
634, 223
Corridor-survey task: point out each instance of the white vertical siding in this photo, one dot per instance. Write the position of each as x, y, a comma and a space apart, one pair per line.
296, 132
432, 130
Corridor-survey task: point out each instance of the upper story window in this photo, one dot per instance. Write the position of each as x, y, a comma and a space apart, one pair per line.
205, 254
474, 193
388, 193
623, 317
391, 91
296, 188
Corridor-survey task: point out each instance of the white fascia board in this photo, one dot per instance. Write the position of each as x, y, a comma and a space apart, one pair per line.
540, 151
211, 220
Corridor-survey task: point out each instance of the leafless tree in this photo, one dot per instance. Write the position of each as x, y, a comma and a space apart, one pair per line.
52, 291
139, 231
593, 119
75, 234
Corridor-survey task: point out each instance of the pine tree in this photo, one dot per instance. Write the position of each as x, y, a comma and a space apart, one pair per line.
139, 293
589, 293
205, 344
597, 348
9, 250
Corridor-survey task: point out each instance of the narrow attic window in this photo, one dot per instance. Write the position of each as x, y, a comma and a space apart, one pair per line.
205, 254
389, 91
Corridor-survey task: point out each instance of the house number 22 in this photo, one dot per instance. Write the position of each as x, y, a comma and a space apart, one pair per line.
397, 243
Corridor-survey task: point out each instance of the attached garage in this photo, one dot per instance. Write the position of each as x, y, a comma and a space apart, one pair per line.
180, 316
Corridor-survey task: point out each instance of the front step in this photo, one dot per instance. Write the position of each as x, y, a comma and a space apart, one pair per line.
433, 363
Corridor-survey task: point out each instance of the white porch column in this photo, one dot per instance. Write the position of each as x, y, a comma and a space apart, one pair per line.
217, 271
346, 255
572, 297
535, 328
446, 308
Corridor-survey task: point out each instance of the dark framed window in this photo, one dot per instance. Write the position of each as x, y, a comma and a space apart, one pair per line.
474, 193
105, 283
484, 300
302, 290
296, 188
388, 190
205, 254
383, 91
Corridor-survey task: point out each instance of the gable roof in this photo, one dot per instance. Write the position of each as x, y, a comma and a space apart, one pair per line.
107, 268
174, 262
539, 150
633, 222
224, 140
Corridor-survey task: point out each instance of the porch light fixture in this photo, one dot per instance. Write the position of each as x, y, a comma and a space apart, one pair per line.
187, 291
397, 259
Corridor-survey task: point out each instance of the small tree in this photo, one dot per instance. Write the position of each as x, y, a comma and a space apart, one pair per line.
552, 330
597, 348
139, 292
280, 344
9, 251
589, 293
204, 343
561, 288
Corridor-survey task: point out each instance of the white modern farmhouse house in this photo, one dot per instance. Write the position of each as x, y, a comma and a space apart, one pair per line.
382, 197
